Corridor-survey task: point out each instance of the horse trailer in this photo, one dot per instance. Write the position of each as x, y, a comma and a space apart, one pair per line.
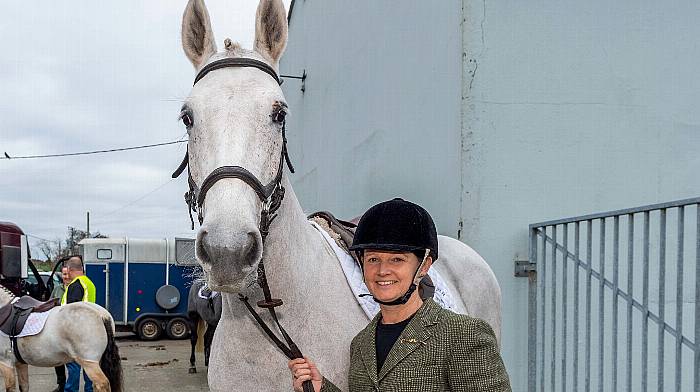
143, 283
15, 264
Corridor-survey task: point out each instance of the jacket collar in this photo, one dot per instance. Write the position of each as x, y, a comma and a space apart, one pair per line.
417, 332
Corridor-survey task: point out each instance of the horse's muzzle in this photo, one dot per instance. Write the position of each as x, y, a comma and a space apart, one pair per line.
228, 257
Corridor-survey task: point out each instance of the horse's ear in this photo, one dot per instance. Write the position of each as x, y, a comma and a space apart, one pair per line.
271, 30
197, 36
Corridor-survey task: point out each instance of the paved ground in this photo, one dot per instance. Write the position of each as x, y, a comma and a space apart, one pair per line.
148, 366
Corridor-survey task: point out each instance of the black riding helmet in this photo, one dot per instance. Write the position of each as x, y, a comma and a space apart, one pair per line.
397, 225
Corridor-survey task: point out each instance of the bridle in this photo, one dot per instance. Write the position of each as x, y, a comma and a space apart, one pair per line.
270, 196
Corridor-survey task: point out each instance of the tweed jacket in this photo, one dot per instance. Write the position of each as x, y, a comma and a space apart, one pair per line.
438, 351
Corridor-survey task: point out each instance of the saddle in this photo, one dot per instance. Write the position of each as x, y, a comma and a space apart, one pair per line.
14, 315
343, 233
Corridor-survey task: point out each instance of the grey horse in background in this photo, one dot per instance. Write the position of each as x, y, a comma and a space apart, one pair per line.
204, 312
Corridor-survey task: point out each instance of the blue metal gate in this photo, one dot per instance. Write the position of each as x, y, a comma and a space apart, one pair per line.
614, 300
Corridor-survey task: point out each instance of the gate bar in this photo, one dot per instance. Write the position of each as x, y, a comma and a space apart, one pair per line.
601, 307
679, 295
696, 367
653, 317
554, 310
671, 204
577, 257
589, 260
630, 276
645, 302
564, 308
541, 280
532, 317
616, 293
662, 298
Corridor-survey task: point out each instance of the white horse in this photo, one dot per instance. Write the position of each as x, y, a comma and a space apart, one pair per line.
81, 332
232, 118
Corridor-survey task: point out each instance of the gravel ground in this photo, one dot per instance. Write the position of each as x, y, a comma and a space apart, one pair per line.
159, 366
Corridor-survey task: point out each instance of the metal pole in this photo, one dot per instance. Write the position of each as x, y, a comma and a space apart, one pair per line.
662, 299
679, 297
541, 280
589, 260
564, 303
88, 224
532, 316
645, 301
577, 236
630, 286
616, 292
601, 307
553, 312
696, 341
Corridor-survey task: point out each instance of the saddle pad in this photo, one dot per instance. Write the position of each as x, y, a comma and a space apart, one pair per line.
34, 324
353, 274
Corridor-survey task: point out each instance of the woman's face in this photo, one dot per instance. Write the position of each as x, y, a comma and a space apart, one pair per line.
388, 275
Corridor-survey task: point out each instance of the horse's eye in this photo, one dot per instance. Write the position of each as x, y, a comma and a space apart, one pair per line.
187, 120
279, 115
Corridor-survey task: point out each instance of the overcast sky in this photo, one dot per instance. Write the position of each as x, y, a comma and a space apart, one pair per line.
86, 75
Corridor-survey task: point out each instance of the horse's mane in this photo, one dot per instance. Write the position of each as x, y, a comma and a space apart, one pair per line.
7, 291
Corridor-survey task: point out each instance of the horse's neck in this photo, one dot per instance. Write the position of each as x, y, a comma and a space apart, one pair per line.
292, 243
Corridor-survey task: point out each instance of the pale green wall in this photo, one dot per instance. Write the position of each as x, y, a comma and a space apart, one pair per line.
555, 109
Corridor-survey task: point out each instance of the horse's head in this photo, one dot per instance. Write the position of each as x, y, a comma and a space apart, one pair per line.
234, 118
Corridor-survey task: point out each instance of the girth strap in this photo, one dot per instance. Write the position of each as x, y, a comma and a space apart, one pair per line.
14, 332
15, 350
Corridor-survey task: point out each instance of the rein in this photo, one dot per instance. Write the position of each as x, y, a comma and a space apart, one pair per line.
270, 196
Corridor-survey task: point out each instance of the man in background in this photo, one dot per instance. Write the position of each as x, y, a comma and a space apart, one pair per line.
80, 289
57, 294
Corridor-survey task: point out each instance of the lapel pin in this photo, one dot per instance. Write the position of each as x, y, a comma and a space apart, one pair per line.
411, 340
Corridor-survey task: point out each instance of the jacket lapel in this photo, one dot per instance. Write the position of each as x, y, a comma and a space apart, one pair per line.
368, 350
417, 332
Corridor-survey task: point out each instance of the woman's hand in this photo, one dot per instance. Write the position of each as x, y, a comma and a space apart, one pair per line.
303, 370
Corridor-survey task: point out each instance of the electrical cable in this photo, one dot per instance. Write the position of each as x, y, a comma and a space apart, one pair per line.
8, 157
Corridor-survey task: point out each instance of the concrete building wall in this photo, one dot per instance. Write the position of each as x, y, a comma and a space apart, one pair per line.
382, 104
574, 108
494, 115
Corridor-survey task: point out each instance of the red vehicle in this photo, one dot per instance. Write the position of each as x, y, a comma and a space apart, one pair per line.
15, 264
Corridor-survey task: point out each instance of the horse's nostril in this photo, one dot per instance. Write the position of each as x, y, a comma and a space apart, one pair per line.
201, 247
251, 249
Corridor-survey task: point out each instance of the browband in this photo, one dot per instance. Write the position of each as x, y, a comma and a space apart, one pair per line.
237, 62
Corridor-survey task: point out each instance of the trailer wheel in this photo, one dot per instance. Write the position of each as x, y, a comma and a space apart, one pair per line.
149, 329
177, 328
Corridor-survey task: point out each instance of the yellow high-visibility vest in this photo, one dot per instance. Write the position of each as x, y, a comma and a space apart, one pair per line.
88, 289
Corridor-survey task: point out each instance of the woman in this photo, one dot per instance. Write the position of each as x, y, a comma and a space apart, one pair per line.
412, 344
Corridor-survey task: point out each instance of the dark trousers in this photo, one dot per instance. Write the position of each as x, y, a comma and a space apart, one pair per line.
60, 375
73, 382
